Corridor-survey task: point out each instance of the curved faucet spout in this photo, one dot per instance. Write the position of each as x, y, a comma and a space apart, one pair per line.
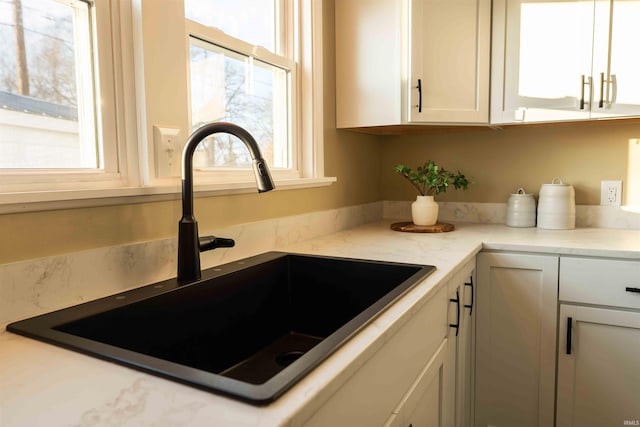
189, 245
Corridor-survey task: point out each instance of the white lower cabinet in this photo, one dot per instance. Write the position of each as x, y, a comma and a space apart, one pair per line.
373, 393
517, 300
441, 394
598, 375
421, 375
599, 347
425, 404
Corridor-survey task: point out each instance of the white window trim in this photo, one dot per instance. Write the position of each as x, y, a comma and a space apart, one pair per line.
92, 190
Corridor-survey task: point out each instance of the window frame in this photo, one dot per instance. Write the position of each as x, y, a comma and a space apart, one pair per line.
214, 36
125, 124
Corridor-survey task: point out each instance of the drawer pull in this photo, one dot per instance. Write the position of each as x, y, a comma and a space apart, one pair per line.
457, 301
630, 289
569, 322
470, 306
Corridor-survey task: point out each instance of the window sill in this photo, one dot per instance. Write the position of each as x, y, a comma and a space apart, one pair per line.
69, 199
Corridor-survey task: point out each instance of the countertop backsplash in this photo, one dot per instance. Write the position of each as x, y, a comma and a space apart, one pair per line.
32, 287
587, 216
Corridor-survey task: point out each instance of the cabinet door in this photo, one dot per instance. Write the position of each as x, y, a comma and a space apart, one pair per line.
449, 57
541, 60
616, 61
423, 405
516, 340
369, 39
598, 376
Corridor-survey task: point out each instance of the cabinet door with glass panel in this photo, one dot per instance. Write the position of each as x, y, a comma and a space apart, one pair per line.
617, 68
564, 60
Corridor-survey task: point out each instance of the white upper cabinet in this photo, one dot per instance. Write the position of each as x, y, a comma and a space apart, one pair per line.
412, 62
449, 61
622, 66
564, 60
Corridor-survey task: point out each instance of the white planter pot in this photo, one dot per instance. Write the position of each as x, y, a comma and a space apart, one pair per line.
424, 211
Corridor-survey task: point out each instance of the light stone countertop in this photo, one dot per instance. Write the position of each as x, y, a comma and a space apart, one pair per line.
43, 385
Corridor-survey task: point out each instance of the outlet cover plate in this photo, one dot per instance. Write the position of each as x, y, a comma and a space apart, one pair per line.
610, 193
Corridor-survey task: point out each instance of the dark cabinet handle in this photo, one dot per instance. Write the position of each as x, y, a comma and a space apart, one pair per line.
569, 324
601, 102
634, 290
583, 81
457, 301
419, 95
470, 306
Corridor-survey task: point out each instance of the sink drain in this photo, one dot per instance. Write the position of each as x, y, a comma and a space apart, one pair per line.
288, 357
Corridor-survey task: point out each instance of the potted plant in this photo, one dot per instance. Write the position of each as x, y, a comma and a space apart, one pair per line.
429, 180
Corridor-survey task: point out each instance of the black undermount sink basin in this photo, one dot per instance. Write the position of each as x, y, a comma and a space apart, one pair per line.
248, 329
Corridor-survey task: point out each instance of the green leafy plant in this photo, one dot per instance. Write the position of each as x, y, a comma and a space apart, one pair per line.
430, 179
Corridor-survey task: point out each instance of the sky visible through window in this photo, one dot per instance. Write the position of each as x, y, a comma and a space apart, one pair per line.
250, 20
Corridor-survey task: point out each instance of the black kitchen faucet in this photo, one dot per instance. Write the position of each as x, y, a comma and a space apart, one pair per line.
189, 243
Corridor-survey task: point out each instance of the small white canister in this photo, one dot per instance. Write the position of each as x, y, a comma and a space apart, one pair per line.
521, 209
557, 206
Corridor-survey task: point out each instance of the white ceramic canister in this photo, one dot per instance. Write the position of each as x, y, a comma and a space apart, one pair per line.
521, 209
557, 206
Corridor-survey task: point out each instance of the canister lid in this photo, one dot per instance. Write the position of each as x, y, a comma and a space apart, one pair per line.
521, 192
556, 182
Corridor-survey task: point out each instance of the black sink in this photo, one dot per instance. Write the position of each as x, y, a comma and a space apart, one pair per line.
249, 329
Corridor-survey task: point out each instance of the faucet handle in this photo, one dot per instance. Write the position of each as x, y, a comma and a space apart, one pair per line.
211, 242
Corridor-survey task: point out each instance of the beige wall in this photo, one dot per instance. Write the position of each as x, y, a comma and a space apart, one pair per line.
501, 161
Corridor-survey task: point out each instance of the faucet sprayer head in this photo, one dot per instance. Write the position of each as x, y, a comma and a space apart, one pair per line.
263, 176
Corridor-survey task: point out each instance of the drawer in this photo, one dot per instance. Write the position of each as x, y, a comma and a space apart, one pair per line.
600, 281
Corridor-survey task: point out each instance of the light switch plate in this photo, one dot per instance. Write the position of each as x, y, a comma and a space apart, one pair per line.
167, 150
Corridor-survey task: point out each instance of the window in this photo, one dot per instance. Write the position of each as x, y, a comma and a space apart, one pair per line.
115, 79
242, 69
58, 127
47, 118
228, 86
46, 89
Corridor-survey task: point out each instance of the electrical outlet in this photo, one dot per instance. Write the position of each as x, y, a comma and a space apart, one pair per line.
610, 193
